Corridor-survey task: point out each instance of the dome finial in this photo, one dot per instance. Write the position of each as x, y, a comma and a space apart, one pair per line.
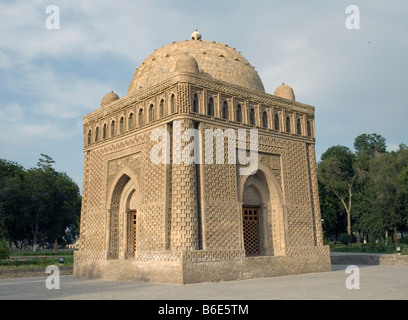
196, 35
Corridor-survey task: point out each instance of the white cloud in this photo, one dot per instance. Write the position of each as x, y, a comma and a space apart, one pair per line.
59, 95
50, 78
10, 113
56, 110
87, 29
392, 147
48, 130
5, 61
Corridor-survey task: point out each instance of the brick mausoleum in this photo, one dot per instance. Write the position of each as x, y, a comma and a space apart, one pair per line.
194, 221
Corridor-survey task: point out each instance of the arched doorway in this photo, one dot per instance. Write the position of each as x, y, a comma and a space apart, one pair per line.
263, 222
130, 209
255, 215
122, 220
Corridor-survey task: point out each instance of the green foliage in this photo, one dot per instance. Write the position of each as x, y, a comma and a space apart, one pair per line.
404, 240
403, 178
370, 247
346, 238
370, 144
45, 162
4, 249
383, 200
38, 205
64, 252
337, 174
332, 213
381, 247
372, 186
34, 262
336, 167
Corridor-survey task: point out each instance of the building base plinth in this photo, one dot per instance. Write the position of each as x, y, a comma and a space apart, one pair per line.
187, 272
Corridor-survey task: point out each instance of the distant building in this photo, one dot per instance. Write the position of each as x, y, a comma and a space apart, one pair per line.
163, 202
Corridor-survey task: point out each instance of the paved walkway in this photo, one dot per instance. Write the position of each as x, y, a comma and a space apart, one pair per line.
376, 282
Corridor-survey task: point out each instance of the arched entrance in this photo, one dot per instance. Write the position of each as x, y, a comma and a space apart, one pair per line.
122, 220
263, 221
255, 199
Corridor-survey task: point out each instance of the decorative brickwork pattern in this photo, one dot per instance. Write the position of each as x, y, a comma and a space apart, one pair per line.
184, 234
223, 224
309, 250
315, 194
297, 195
183, 95
222, 213
273, 162
212, 255
189, 224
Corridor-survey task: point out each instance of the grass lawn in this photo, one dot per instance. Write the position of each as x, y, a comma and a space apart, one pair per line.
369, 248
30, 259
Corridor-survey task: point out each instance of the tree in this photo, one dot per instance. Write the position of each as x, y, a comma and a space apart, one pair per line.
382, 207
66, 209
403, 176
371, 144
41, 190
371, 181
46, 162
367, 147
332, 212
4, 249
12, 199
337, 174
38, 205
55, 202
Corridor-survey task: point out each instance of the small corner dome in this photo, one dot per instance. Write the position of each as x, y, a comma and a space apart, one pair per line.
285, 91
108, 98
187, 63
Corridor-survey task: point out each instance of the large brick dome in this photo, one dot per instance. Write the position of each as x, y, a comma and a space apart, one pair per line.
215, 61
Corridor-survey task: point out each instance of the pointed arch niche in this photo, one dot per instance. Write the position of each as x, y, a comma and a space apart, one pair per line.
260, 192
123, 215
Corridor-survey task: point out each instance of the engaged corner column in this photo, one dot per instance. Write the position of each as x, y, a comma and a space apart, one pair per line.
184, 224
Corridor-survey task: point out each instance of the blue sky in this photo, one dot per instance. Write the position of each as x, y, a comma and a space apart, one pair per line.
49, 79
